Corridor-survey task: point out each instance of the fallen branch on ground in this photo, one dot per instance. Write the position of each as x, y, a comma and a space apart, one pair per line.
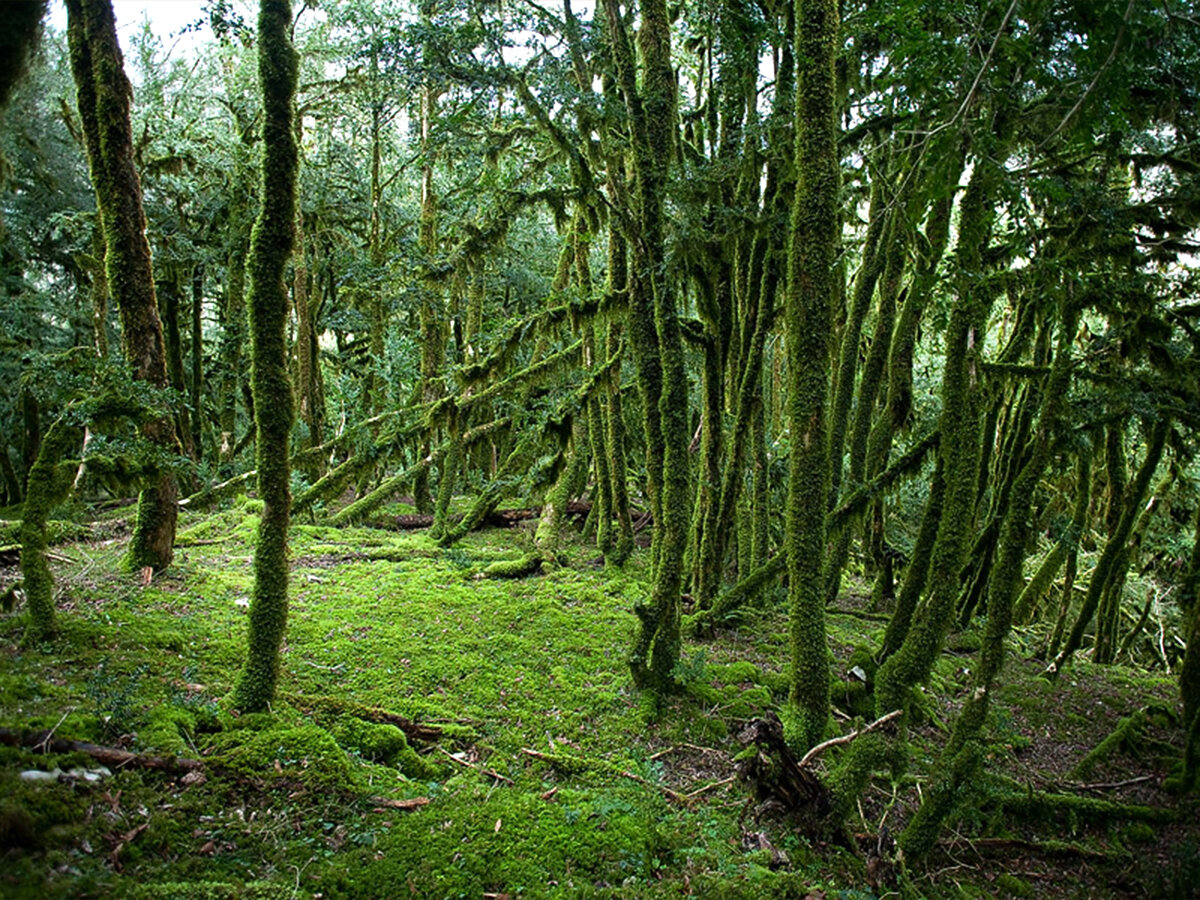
578, 764
491, 773
113, 757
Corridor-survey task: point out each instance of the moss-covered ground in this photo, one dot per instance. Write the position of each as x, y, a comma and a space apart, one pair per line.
323, 797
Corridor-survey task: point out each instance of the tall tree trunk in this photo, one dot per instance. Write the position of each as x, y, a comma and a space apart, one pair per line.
432, 335
196, 385
962, 754
270, 247
103, 94
962, 379
811, 292
232, 335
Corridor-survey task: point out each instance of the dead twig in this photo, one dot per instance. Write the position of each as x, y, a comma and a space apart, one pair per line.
1108, 785
41, 745
847, 738
708, 787
578, 763
491, 773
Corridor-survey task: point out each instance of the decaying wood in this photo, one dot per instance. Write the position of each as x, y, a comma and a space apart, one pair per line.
112, 757
781, 785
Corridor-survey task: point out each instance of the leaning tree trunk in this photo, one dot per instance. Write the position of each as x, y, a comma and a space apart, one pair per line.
270, 246
104, 93
811, 267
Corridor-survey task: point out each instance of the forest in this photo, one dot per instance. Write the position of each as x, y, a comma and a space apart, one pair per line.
641, 448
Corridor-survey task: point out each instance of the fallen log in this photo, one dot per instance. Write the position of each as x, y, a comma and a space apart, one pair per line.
113, 757
497, 518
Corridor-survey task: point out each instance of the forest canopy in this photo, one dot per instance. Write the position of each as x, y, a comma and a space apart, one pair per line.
830, 369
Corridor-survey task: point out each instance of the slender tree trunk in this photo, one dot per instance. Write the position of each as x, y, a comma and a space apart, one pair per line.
103, 93
811, 292
232, 335
196, 387
655, 335
962, 754
49, 483
958, 451
1114, 549
270, 247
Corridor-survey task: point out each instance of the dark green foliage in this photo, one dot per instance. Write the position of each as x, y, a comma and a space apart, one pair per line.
270, 246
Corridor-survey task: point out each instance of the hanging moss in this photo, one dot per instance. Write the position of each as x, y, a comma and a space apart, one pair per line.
49, 482
270, 247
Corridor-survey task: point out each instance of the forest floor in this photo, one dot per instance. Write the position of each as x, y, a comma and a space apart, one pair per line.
325, 798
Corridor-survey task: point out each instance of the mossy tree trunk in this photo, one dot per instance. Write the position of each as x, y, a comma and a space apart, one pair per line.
49, 482
811, 292
614, 414
655, 334
196, 379
758, 285
170, 293
962, 752
1114, 550
433, 337
270, 246
103, 93
1189, 672
233, 328
1067, 545
959, 449
890, 263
